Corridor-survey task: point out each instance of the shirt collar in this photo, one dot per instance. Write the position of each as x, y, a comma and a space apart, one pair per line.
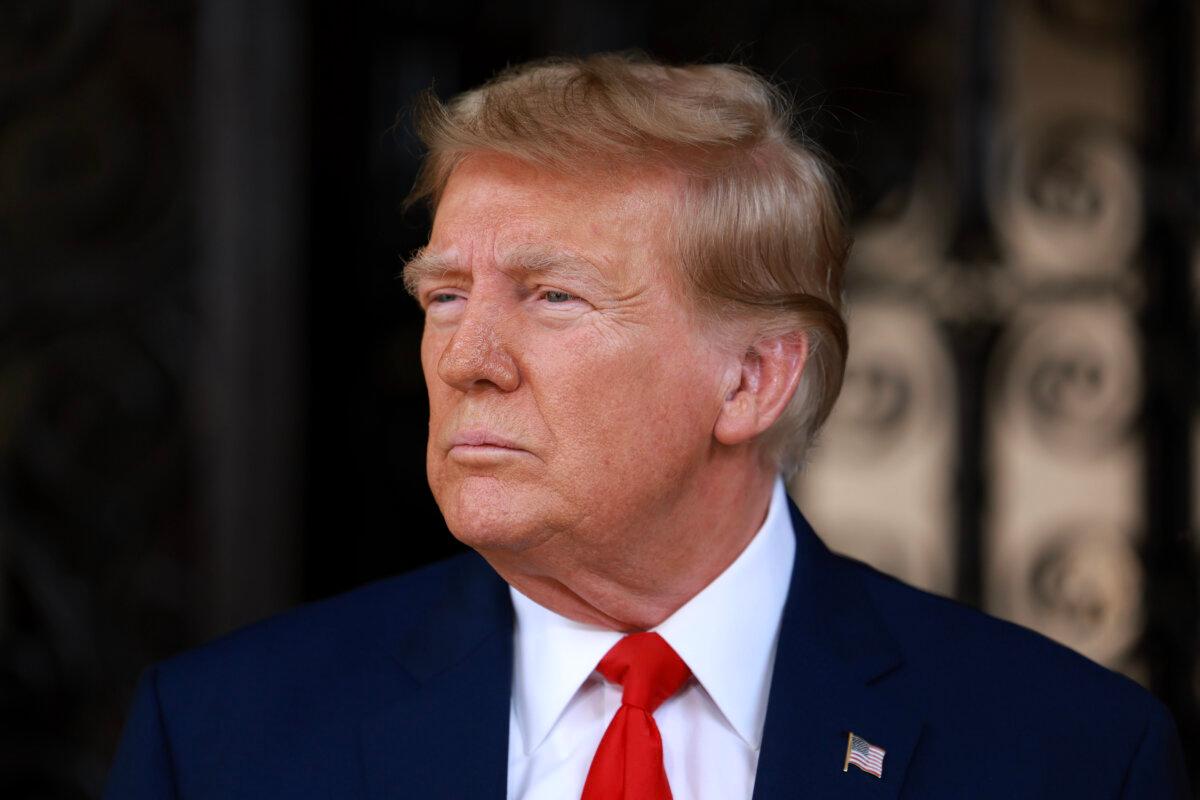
726, 634
552, 657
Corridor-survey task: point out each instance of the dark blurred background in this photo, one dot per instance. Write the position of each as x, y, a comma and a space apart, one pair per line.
211, 405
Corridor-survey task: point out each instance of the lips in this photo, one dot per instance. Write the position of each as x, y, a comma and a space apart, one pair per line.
478, 437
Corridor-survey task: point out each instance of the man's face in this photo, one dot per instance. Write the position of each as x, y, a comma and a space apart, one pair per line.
572, 391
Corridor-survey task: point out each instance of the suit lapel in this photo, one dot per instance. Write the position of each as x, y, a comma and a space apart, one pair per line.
831, 677
445, 734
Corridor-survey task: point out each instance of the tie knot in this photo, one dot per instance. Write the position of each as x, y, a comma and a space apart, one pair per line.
647, 669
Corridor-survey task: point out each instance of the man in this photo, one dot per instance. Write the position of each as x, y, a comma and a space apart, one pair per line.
631, 292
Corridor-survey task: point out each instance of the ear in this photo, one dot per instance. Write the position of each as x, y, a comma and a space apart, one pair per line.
770, 371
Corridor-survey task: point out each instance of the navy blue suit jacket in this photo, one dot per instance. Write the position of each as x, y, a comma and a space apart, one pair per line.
401, 690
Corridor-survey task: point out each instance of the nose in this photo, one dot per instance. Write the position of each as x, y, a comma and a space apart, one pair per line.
477, 355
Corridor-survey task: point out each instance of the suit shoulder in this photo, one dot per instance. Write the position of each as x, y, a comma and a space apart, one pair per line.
977, 679
965, 647
334, 629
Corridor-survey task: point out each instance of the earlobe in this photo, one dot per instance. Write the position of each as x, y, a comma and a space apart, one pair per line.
769, 372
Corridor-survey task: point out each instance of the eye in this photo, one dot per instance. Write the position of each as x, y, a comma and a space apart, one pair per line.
556, 296
438, 298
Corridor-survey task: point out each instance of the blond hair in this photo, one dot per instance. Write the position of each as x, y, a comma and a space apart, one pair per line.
759, 233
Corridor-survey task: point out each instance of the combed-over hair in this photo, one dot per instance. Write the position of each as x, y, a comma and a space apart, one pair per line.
760, 233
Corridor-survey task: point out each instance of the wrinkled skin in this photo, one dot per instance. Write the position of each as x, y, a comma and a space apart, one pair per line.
589, 435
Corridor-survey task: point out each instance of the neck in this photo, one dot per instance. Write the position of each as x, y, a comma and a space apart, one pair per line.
647, 566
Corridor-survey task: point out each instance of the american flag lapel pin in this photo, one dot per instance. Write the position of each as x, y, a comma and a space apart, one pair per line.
864, 755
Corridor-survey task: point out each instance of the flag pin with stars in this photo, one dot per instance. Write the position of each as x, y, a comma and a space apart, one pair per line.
864, 755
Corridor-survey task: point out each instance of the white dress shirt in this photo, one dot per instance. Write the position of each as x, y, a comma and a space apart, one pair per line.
711, 729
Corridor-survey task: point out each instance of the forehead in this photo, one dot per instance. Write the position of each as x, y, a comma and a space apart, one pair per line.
495, 204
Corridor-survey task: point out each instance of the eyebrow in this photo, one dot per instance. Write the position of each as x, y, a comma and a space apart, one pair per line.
425, 265
530, 259
539, 259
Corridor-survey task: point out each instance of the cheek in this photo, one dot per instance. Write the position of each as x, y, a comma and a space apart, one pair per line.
431, 348
431, 353
616, 407
439, 403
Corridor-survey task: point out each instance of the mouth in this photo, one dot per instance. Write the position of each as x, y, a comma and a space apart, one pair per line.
479, 444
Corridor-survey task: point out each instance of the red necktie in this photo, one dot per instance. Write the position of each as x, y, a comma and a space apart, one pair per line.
628, 764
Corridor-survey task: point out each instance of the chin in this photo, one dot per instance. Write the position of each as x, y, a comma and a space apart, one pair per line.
492, 514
